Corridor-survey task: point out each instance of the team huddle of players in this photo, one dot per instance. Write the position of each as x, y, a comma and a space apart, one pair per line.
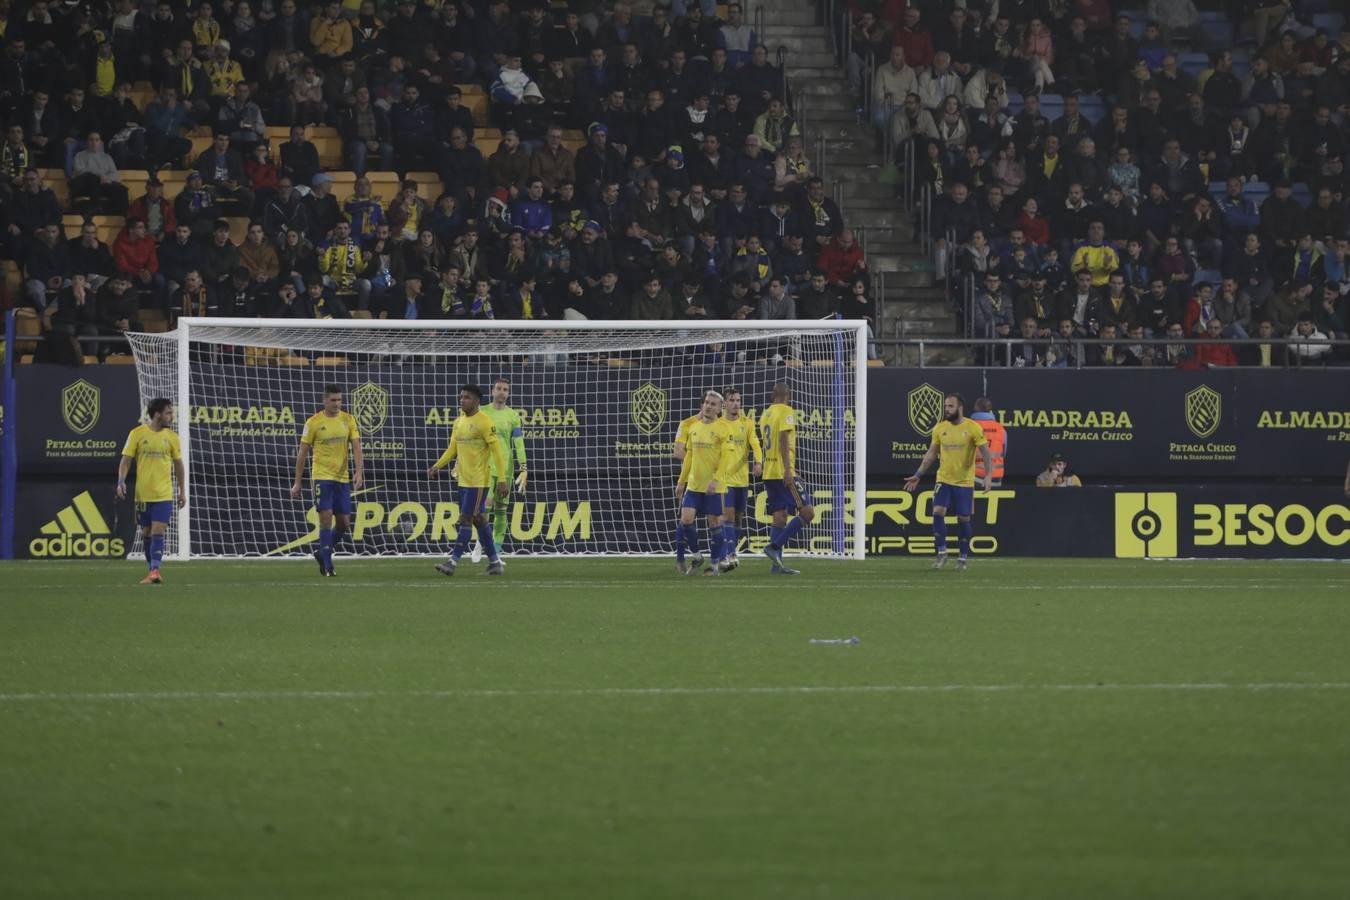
716, 447
719, 449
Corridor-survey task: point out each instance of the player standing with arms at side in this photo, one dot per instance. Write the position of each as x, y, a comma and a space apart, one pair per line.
511, 433
328, 435
159, 461
473, 441
785, 491
745, 440
678, 451
955, 440
703, 479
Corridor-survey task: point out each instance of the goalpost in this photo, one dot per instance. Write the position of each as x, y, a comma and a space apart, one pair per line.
601, 401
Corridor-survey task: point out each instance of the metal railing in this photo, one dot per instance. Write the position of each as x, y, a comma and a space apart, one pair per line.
926, 218
909, 168
1006, 347
757, 23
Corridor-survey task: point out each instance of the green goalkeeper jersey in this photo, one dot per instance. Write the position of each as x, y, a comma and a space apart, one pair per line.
511, 432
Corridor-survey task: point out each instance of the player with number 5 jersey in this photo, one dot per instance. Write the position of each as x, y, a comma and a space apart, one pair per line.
786, 493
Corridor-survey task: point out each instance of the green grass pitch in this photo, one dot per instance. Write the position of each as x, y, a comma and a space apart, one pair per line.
607, 729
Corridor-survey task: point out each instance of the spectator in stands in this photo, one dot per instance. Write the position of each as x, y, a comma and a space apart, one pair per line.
1287, 304
914, 39
1216, 351
1252, 268
343, 265
1237, 213
154, 210
259, 256
117, 306
1105, 351
135, 255
1311, 344
177, 256
1096, 257
31, 208
1056, 474
299, 158
96, 184
220, 257
1265, 355
1234, 307
321, 208
841, 259
222, 168
912, 122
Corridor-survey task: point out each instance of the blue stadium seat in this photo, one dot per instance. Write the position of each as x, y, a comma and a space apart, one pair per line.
1194, 69
1015, 103
1241, 69
1193, 58
1137, 25
1092, 108
1052, 106
1333, 22
1216, 35
1208, 276
1302, 196
1213, 16
1217, 189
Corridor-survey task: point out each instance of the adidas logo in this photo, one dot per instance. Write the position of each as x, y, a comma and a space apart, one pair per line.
78, 532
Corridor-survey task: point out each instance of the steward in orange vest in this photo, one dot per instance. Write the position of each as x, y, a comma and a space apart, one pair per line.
995, 434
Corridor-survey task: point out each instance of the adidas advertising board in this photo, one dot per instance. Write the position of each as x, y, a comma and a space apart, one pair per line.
72, 519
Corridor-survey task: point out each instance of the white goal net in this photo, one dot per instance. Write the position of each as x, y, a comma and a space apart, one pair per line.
601, 402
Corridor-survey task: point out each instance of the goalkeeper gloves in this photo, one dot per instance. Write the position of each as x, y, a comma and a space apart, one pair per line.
520, 480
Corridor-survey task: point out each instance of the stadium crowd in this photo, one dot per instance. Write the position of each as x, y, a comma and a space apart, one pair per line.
685, 192
1104, 173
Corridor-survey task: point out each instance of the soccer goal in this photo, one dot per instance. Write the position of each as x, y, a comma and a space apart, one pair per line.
601, 402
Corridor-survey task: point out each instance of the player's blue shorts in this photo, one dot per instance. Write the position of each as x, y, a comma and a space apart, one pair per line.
737, 497
154, 511
472, 501
334, 496
780, 498
958, 501
702, 503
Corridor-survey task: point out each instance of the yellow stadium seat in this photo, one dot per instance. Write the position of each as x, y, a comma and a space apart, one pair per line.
26, 325
361, 314
26, 359
487, 146
121, 359
292, 361
56, 180
134, 180
238, 228
429, 186
330, 361
478, 105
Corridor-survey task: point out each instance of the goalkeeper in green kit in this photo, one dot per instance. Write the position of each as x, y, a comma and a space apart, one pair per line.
510, 431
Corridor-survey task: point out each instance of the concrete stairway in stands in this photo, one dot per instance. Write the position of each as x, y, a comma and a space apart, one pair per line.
911, 305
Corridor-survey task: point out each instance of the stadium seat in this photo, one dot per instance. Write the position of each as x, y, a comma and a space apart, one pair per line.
1216, 35
1052, 106
1301, 194
238, 228
1333, 22
1213, 15
120, 359
1208, 276
384, 185
26, 325
1092, 108
108, 226
428, 185
134, 180
330, 361
1217, 189
56, 180
13, 279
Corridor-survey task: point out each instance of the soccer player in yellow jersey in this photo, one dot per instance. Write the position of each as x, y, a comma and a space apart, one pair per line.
474, 442
328, 435
154, 448
745, 439
785, 492
703, 477
955, 442
678, 451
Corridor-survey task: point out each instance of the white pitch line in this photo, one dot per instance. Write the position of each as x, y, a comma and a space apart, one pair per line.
899, 582
471, 693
